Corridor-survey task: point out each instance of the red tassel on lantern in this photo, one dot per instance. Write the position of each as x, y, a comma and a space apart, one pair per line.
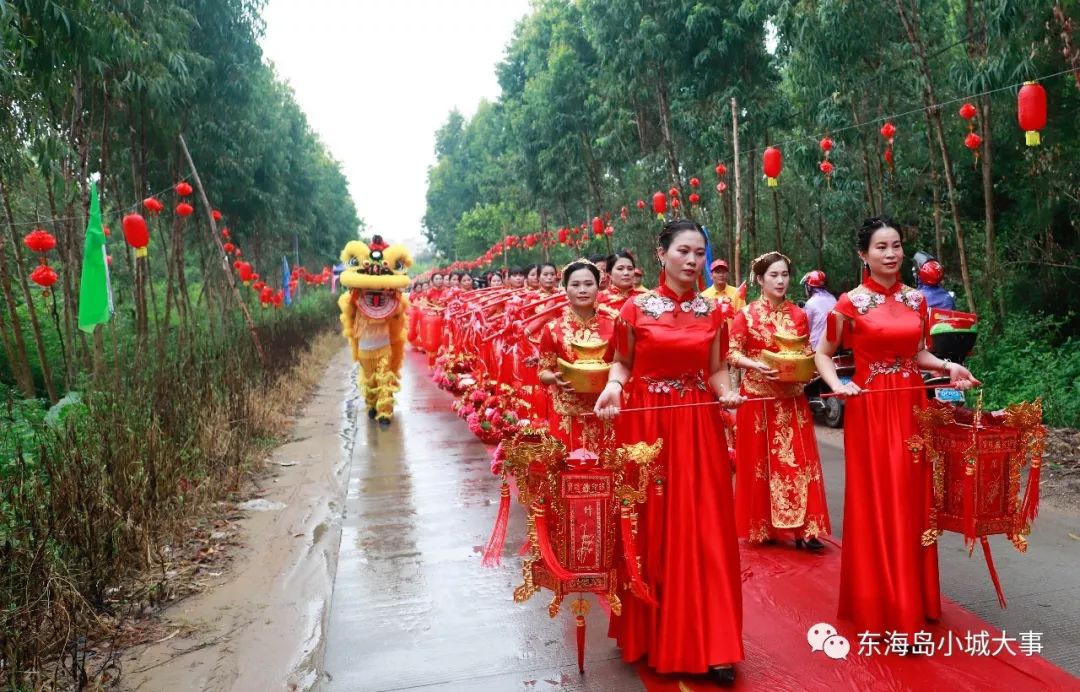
543, 541
580, 619
637, 583
493, 551
993, 572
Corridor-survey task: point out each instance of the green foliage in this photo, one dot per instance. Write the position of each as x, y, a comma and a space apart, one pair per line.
1031, 358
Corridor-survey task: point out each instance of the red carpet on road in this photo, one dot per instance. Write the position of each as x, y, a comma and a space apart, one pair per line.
786, 592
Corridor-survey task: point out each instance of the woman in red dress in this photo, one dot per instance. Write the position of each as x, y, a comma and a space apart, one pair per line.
620, 268
888, 578
671, 345
778, 483
582, 321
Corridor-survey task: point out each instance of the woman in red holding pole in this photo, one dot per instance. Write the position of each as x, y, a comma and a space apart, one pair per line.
583, 322
671, 345
778, 483
888, 578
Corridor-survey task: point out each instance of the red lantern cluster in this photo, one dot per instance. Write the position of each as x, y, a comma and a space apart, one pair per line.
888, 131
826, 165
973, 141
41, 242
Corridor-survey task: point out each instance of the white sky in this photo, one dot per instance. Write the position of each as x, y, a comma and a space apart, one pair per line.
376, 80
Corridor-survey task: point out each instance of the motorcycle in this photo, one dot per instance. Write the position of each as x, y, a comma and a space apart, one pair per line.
952, 336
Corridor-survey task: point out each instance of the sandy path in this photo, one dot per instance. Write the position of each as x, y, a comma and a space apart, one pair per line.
261, 625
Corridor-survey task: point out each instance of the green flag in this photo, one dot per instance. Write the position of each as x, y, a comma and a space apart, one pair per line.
95, 300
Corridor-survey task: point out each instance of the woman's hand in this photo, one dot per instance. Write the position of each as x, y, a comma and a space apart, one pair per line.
609, 402
731, 399
846, 390
768, 373
960, 377
558, 381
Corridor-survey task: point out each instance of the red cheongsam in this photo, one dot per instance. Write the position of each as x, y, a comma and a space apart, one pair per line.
888, 579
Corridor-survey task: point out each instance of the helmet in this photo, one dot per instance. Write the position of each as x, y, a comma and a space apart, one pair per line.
931, 273
814, 279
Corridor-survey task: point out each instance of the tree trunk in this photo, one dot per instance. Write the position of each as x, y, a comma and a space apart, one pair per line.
751, 206
992, 274
20, 365
665, 126
736, 241
31, 310
909, 18
871, 201
935, 189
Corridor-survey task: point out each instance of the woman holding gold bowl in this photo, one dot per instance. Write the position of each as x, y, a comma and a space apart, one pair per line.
582, 332
671, 349
778, 483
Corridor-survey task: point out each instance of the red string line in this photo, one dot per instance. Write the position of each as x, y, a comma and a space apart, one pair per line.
775, 398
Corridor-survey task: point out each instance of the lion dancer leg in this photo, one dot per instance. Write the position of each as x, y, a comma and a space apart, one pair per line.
379, 383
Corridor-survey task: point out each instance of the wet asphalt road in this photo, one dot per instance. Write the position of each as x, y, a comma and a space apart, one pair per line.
412, 608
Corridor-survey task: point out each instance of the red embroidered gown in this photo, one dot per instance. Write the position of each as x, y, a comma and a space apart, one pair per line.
615, 298
778, 483
888, 579
686, 530
565, 417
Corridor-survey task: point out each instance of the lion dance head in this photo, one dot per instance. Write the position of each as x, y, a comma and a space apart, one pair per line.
373, 317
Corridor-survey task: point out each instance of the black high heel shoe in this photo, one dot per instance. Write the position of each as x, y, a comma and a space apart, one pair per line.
722, 676
812, 544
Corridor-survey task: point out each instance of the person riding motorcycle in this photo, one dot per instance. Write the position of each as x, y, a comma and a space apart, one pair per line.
928, 277
819, 303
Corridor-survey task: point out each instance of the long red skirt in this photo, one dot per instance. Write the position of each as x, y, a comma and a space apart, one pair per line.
686, 540
888, 580
778, 482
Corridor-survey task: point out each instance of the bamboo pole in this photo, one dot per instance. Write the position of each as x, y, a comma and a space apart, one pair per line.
216, 237
738, 191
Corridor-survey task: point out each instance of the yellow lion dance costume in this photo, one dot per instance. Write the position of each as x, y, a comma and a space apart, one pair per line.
373, 318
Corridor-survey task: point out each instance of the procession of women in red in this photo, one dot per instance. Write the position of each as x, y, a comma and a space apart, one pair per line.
739, 461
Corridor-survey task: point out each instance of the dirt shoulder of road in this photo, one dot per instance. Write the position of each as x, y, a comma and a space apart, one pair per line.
257, 619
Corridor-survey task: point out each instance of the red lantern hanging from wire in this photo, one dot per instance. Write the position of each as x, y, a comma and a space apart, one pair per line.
184, 209
826, 166
973, 141
675, 203
694, 198
772, 163
721, 187
44, 276
216, 215
694, 182
721, 170
624, 214
136, 233
1031, 111
641, 204
183, 189
153, 205
888, 131
597, 226
659, 205
41, 242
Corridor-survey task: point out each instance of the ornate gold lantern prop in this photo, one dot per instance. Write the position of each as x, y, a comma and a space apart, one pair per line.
791, 362
581, 518
977, 457
588, 374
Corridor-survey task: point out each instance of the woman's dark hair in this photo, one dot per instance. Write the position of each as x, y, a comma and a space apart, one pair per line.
516, 271
767, 260
529, 268
621, 254
574, 266
596, 259
458, 274
869, 228
674, 228
544, 265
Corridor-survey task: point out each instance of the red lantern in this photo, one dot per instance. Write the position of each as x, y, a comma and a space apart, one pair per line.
266, 296
721, 187
1031, 111
826, 144
888, 131
623, 214
694, 182
244, 269
228, 247
136, 233
641, 204
675, 204
694, 198
39, 240
184, 209
674, 192
108, 260
659, 204
721, 170
597, 226
973, 141
225, 233
255, 275
564, 235
43, 275
238, 253
609, 231
153, 205
967, 111
772, 163
183, 189
106, 231
826, 167
216, 215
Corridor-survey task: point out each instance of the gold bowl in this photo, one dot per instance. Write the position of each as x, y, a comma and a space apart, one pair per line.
790, 362
589, 373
